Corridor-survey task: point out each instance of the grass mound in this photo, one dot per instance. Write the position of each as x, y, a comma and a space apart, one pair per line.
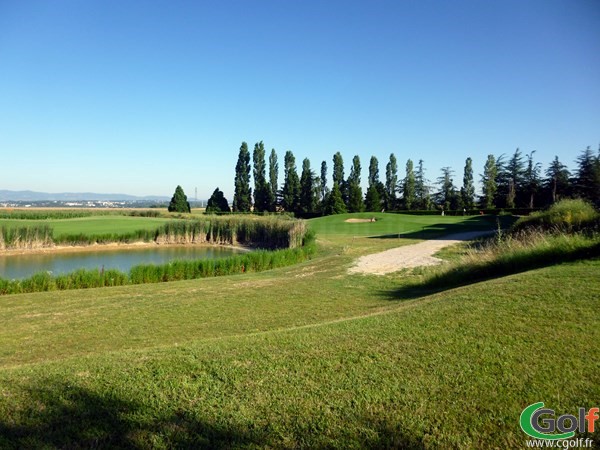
564, 216
566, 232
453, 370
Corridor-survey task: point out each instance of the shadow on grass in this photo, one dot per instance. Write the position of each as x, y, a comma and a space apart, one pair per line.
466, 274
61, 415
473, 223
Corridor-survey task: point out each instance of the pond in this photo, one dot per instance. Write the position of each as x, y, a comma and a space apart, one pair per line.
25, 265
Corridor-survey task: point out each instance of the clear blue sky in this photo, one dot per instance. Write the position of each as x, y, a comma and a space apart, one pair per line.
139, 96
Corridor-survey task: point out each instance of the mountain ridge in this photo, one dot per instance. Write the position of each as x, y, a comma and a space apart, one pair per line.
27, 195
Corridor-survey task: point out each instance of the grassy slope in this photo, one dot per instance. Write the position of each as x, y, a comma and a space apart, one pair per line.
267, 359
93, 225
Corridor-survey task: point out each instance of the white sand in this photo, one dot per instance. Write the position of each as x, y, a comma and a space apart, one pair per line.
416, 255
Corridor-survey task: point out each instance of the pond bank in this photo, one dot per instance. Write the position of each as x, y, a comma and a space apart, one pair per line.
95, 247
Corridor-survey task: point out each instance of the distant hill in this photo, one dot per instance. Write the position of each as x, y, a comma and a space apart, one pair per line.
20, 196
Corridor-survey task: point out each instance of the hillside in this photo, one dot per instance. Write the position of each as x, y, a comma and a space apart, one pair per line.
305, 356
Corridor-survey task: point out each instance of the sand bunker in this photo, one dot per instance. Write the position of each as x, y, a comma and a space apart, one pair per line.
360, 220
408, 256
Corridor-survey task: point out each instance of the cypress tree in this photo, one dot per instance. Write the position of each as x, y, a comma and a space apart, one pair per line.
488, 181
408, 186
308, 202
323, 181
217, 203
291, 184
273, 174
338, 176
338, 170
373, 171
179, 202
467, 191
262, 190
421, 188
355, 195
242, 192
373, 196
391, 182
334, 204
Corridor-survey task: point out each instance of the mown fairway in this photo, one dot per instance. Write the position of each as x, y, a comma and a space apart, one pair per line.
94, 225
305, 356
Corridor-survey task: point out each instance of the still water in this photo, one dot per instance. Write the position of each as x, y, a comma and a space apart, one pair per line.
23, 266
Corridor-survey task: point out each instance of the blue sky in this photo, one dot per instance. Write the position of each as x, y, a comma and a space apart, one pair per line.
139, 96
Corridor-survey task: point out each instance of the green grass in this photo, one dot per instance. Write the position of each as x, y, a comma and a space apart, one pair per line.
393, 225
94, 225
566, 216
298, 357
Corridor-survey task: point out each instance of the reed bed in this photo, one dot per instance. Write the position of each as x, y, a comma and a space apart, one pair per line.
278, 243
44, 214
37, 236
259, 232
255, 261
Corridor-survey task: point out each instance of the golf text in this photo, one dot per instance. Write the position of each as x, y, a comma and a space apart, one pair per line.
542, 423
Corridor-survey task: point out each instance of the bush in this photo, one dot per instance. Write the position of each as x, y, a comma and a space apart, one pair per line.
565, 216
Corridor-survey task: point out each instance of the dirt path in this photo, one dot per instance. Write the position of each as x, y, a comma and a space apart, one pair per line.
416, 255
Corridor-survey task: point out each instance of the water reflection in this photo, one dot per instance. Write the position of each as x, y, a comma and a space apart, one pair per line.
23, 266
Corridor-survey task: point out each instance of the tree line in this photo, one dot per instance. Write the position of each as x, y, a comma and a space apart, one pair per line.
510, 182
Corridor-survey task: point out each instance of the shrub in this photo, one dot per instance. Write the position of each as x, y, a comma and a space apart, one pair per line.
564, 216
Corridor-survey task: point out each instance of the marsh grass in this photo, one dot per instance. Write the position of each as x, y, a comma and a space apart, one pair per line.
293, 233
35, 236
45, 214
255, 261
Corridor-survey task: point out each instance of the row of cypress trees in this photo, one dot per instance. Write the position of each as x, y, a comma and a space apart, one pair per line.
515, 182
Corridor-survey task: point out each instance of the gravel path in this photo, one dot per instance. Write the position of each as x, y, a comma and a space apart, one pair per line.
407, 256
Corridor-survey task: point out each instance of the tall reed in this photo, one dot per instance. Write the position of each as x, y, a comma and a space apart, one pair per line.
35, 236
255, 261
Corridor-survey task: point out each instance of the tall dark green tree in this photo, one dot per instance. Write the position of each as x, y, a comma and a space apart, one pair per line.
338, 169
338, 176
408, 186
467, 192
355, 195
308, 201
556, 183
291, 185
323, 184
447, 197
531, 179
510, 180
373, 171
217, 203
391, 182
334, 204
273, 174
587, 176
422, 189
179, 202
262, 189
373, 197
242, 192
489, 183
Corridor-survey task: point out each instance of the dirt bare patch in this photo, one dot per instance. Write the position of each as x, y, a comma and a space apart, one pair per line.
409, 256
